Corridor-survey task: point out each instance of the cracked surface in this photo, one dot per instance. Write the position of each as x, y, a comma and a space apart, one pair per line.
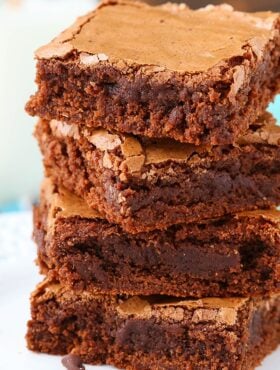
232, 256
196, 93
152, 332
139, 29
146, 184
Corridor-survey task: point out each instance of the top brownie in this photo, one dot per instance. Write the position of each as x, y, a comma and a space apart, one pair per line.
166, 71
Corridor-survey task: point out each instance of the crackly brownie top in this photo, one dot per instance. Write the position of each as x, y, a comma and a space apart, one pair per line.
63, 204
222, 311
129, 154
169, 36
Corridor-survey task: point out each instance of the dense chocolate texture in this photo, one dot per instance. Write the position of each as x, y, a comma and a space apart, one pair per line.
194, 76
154, 332
146, 184
234, 256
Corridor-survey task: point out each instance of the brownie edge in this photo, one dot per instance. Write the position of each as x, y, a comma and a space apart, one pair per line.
153, 332
144, 184
82, 83
231, 256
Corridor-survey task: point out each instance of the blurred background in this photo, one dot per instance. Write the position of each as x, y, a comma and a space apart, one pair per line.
24, 26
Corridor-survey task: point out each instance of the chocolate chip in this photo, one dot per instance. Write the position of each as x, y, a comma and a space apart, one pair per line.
72, 362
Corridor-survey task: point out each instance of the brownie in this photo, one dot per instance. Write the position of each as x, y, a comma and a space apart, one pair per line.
144, 184
154, 332
162, 72
233, 256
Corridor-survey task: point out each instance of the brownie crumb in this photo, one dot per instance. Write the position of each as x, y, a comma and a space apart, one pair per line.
153, 332
173, 184
72, 362
237, 255
209, 98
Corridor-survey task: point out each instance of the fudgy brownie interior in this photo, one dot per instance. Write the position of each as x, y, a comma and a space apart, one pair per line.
236, 255
153, 332
146, 184
145, 79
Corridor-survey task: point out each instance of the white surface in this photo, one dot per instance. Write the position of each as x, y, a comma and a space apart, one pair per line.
18, 276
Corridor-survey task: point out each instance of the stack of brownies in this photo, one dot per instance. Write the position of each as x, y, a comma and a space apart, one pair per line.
157, 228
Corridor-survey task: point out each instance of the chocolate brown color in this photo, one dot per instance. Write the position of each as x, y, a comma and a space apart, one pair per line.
144, 78
232, 256
145, 184
140, 333
72, 362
